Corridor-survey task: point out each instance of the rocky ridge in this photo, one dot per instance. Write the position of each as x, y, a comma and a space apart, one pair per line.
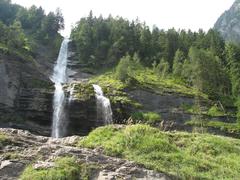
24, 148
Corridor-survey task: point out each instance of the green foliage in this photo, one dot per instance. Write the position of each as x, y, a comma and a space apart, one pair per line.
114, 89
215, 111
152, 117
205, 73
146, 117
193, 109
162, 69
20, 28
233, 56
126, 68
200, 59
147, 78
178, 63
83, 91
104, 41
233, 128
238, 108
65, 168
185, 155
122, 69
180, 59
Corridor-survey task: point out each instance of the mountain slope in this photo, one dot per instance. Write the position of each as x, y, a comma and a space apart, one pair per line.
229, 23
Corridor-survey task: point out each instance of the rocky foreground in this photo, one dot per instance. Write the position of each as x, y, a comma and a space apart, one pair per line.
22, 148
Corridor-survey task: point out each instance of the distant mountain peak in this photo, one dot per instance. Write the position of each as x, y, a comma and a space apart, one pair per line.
229, 23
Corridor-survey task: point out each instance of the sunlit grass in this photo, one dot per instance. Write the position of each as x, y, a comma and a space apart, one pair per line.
186, 155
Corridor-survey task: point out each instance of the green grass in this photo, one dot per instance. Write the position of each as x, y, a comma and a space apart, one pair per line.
192, 109
215, 111
185, 155
143, 78
66, 168
146, 117
223, 126
148, 79
114, 89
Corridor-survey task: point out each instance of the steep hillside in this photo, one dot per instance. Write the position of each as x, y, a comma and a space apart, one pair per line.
229, 23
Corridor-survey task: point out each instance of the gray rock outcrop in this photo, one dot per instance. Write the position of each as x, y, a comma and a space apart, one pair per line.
25, 148
229, 23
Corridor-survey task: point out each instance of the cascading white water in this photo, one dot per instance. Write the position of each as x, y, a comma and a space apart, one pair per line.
104, 110
71, 93
59, 76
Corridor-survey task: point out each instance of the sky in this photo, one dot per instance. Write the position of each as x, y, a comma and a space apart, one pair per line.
165, 14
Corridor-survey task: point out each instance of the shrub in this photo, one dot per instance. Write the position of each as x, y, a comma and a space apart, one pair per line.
127, 67
162, 69
146, 117
122, 69
215, 111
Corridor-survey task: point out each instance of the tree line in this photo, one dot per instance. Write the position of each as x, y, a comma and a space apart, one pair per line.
20, 27
200, 59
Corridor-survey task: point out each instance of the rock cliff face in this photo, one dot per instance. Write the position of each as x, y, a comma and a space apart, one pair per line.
229, 23
25, 93
81, 109
168, 105
25, 148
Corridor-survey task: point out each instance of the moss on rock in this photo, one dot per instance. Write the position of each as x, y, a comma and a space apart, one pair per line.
114, 89
83, 91
65, 168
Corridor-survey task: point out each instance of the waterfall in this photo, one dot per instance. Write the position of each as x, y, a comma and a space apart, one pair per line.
71, 93
59, 76
104, 111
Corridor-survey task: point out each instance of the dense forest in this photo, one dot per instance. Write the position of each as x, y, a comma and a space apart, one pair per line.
21, 28
200, 59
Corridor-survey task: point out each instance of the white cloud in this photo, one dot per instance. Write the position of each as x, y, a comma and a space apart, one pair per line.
187, 14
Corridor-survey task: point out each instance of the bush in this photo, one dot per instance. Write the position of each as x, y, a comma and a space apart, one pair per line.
137, 116
127, 67
215, 111
162, 69
152, 117
122, 69
146, 117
